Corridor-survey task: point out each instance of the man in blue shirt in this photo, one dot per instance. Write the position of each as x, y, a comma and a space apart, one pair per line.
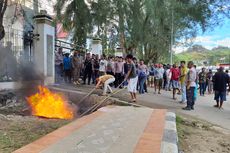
67, 68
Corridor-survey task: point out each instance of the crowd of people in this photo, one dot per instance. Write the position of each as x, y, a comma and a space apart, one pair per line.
118, 72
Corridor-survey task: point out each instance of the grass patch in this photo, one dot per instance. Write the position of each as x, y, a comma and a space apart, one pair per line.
180, 130
19, 133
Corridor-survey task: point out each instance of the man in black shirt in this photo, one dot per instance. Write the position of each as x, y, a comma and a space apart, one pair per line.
87, 68
220, 80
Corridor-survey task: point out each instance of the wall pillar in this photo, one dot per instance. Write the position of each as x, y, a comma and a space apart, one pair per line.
96, 47
44, 47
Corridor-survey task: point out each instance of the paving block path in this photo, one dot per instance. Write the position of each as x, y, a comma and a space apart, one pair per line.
113, 129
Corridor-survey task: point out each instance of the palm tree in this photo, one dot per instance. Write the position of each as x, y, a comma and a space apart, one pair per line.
75, 17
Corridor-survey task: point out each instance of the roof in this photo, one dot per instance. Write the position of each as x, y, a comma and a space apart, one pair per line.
61, 33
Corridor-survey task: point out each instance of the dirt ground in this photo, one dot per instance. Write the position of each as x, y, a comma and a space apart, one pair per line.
196, 136
17, 131
18, 127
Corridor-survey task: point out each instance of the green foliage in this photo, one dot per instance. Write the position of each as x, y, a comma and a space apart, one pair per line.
75, 17
142, 27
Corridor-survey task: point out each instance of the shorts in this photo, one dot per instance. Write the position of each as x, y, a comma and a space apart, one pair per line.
220, 96
175, 84
158, 82
151, 79
132, 85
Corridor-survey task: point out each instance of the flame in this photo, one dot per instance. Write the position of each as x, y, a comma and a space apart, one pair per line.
50, 105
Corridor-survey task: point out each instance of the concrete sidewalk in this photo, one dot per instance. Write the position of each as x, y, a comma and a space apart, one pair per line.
113, 129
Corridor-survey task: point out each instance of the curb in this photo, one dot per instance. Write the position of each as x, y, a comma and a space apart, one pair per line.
170, 138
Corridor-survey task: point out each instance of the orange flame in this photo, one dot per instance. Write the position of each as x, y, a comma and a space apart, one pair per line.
50, 105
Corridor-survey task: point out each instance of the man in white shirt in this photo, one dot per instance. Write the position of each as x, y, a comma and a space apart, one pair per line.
103, 66
159, 73
190, 86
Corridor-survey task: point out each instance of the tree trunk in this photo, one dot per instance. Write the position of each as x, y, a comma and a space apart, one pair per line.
3, 6
2, 32
121, 26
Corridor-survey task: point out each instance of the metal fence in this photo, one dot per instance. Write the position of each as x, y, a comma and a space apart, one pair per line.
14, 38
11, 50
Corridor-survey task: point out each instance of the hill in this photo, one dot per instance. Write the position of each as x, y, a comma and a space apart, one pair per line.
201, 55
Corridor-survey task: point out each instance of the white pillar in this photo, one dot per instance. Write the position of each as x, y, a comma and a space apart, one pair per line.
119, 52
44, 47
96, 47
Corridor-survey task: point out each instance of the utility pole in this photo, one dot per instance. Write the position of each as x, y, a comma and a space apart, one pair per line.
171, 46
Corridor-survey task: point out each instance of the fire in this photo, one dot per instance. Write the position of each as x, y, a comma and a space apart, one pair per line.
50, 105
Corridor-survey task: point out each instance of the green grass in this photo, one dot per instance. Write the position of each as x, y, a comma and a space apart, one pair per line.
17, 134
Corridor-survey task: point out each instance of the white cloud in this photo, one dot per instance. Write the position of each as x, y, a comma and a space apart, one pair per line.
223, 42
179, 49
204, 39
208, 42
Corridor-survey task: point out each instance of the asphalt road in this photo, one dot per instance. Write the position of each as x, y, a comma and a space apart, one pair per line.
203, 108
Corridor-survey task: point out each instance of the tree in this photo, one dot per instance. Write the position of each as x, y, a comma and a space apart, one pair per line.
3, 6
75, 17
143, 27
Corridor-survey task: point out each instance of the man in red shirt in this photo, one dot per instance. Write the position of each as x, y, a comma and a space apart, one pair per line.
175, 79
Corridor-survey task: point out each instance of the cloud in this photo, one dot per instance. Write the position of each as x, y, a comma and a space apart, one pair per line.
224, 42
208, 42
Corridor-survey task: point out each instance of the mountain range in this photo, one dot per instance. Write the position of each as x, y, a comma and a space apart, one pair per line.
203, 56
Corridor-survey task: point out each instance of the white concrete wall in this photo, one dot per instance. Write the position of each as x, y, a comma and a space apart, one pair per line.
40, 51
17, 85
97, 49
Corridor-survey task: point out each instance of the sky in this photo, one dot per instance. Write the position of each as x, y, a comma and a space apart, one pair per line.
218, 36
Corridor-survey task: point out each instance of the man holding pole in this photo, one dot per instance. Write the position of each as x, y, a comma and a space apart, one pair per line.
105, 80
131, 77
